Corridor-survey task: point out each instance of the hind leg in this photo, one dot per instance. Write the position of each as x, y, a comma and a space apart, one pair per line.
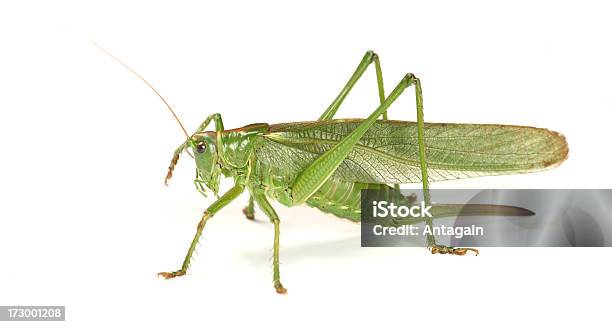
369, 58
320, 170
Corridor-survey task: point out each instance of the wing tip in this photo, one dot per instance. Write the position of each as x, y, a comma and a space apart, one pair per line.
561, 153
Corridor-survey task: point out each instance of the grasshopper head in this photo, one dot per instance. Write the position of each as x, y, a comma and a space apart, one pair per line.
208, 169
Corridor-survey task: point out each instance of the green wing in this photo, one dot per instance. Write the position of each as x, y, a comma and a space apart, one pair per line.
388, 152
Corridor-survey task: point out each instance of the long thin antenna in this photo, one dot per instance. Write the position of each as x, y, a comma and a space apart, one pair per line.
144, 80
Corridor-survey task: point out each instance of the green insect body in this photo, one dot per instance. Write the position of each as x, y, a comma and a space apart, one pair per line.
326, 163
267, 160
272, 156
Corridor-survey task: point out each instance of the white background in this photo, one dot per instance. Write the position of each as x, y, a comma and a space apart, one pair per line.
86, 222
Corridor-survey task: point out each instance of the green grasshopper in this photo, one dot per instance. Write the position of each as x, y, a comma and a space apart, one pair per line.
326, 163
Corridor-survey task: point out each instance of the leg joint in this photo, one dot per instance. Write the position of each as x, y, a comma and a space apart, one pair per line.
204, 219
371, 55
410, 78
374, 56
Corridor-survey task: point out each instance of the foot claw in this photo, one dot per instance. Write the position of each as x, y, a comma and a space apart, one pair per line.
279, 288
451, 250
169, 275
250, 216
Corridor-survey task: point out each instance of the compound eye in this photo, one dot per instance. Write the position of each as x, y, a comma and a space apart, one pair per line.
201, 147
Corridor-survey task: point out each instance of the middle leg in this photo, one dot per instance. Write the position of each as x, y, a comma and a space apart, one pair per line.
249, 209
266, 207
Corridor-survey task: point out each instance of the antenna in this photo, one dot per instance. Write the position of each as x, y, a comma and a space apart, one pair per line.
145, 81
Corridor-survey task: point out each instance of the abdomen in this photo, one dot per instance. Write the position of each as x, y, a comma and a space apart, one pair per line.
339, 198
